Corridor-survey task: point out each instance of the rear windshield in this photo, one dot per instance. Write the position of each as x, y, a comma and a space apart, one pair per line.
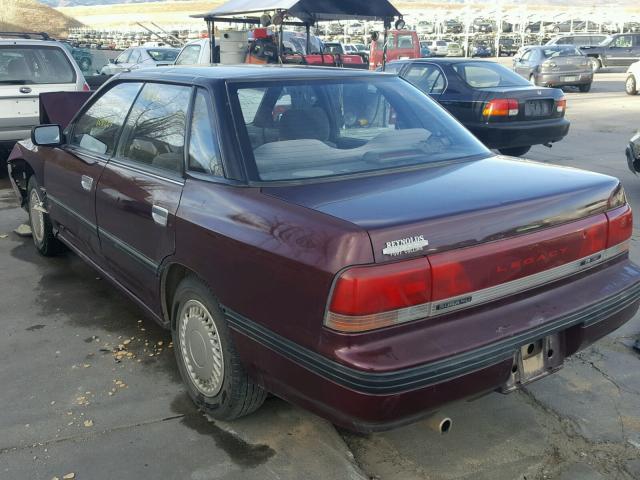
163, 54
560, 51
28, 65
488, 75
324, 128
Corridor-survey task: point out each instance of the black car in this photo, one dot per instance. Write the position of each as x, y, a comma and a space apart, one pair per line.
619, 50
498, 106
633, 153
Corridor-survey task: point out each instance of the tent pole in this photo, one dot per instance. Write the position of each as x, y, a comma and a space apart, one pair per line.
387, 26
308, 27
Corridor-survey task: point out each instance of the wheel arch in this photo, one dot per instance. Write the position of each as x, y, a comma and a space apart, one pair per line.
171, 276
21, 171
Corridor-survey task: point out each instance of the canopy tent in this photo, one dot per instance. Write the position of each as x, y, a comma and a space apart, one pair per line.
309, 11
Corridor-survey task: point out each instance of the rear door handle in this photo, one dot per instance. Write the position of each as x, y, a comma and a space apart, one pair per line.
160, 215
86, 182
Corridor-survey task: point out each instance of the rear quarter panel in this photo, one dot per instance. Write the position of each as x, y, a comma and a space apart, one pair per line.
271, 261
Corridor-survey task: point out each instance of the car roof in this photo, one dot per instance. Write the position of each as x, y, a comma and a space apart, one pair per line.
27, 41
244, 72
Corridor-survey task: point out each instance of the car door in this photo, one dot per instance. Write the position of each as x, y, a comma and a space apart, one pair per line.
139, 191
72, 171
134, 60
522, 64
118, 63
620, 51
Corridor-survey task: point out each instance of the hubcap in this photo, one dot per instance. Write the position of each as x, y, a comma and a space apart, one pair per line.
630, 85
37, 217
200, 348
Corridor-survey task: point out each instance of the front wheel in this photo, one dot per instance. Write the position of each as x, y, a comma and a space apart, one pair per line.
207, 359
584, 88
514, 151
596, 65
41, 230
631, 86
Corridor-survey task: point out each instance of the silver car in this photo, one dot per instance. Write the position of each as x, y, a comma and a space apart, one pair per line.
555, 66
140, 57
29, 67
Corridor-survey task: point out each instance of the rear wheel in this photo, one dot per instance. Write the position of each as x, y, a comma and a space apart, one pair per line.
514, 151
596, 65
585, 87
631, 85
41, 230
207, 359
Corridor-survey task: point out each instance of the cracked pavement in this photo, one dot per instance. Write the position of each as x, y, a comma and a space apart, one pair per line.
69, 338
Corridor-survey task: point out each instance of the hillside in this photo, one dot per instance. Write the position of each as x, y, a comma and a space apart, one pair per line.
30, 15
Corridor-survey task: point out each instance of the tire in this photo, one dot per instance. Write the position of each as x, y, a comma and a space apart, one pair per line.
42, 231
584, 88
514, 151
631, 85
200, 335
596, 64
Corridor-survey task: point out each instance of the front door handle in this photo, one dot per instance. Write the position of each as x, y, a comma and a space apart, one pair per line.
160, 215
86, 182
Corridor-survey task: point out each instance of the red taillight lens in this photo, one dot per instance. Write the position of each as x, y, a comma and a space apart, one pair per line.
620, 225
86, 87
501, 107
475, 268
377, 296
561, 105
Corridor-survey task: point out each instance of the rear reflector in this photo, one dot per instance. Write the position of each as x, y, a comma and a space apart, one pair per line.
371, 297
501, 107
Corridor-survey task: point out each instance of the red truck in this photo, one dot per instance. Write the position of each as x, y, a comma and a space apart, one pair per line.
401, 44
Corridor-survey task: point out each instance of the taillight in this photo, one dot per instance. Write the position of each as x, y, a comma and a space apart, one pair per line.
501, 107
620, 226
369, 297
561, 105
85, 87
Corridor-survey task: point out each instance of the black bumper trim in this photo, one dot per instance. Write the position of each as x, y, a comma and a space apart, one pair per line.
423, 375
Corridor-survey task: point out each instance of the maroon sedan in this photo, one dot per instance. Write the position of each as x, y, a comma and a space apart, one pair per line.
331, 236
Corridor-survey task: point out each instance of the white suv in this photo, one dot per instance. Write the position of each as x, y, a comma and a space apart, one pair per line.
29, 67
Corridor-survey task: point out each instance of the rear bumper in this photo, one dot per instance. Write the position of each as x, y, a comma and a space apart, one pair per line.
520, 133
579, 312
560, 79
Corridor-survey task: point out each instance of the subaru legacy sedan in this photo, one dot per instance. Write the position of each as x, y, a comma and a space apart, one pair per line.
331, 236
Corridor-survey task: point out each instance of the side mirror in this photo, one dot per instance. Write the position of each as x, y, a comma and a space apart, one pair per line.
47, 135
112, 61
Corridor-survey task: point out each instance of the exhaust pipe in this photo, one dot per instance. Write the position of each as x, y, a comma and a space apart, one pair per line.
441, 425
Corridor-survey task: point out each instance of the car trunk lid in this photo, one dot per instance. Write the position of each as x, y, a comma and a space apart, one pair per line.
534, 103
565, 64
456, 205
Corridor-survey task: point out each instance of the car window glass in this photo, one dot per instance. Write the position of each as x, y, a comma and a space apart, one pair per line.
97, 128
487, 74
163, 54
405, 41
124, 57
155, 128
392, 67
23, 65
203, 151
250, 99
624, 41
526, 56
349, 126
189, 55
427, 78
553, 51
135, 57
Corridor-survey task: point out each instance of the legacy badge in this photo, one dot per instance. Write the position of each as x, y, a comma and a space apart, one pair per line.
405, 245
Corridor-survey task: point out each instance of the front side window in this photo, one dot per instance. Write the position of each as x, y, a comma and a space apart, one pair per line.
189, 55
427, 78
155, 129
488, 75
123, 57
324, 128
97, 129
29, 65
203, 149
135, 57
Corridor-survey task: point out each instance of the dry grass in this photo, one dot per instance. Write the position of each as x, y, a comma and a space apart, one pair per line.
29, 15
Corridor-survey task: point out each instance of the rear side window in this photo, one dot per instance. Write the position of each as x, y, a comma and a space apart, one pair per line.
189, 55
31, 64
203, 148
163, 54
155, 129
427, 78
97, 128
